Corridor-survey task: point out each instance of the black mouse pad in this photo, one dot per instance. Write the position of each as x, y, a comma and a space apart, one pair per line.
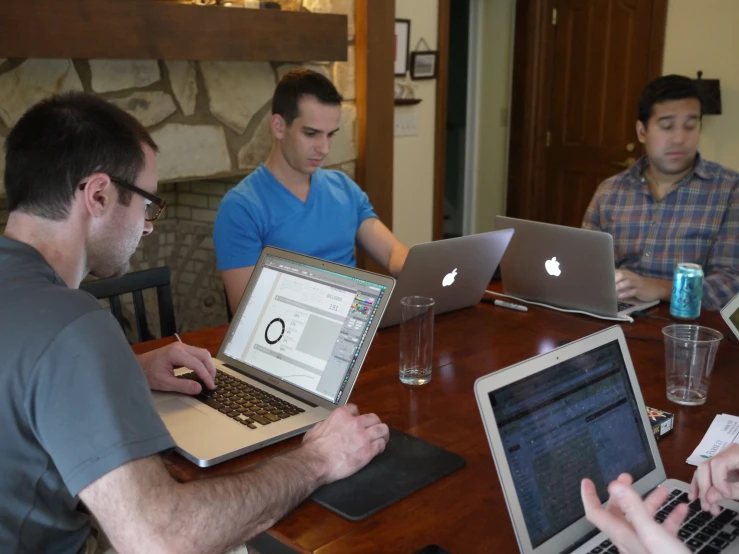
406, 465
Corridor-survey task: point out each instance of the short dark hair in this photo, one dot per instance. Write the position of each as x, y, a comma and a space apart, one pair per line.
298, 83
63, 139
662, 89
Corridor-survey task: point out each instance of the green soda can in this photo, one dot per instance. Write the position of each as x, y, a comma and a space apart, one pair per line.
687, 291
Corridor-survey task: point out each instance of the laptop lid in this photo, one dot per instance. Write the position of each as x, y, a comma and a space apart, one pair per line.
305, 325
561, 266
454, 272
730, 313
552, 420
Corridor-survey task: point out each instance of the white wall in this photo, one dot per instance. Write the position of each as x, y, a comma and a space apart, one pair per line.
413, 163
413, 174
493, 104
703, 36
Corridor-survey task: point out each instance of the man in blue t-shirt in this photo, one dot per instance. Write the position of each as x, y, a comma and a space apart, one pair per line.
290, 202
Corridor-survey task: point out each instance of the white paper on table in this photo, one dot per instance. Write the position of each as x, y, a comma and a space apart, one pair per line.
722, 432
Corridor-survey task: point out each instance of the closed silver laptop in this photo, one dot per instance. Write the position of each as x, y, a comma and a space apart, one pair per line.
565, 267
572, 413
454, 272
291, 355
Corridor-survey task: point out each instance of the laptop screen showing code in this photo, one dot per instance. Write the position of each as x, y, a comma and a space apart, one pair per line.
576, 419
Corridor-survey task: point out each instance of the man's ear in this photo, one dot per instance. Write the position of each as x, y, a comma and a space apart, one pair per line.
278, 126
641, 132
99, 194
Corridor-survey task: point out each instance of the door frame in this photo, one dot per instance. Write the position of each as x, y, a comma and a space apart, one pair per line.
533, 50
374, 42
474, 58
472, 124
442, 44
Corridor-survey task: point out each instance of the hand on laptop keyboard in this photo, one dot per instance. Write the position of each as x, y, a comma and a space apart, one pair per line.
629, 285
159, 365
717, 479
640, 534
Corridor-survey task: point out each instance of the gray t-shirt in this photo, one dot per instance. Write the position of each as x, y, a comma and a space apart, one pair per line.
74, 404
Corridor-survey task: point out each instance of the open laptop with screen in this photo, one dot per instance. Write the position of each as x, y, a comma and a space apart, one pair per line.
291, 355
566, 267
572, 413
454, 272
730, 313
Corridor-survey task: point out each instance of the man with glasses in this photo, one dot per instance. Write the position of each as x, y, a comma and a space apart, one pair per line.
77, 422
154, 205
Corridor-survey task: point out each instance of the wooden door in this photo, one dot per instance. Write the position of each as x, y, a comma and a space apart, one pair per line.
600, 68
596, 57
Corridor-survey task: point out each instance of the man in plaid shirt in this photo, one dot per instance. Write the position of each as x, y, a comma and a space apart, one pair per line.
671, 206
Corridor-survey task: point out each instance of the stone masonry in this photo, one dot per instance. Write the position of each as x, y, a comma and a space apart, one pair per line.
211, 122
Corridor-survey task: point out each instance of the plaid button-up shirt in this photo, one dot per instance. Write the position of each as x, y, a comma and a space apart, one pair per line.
697, 221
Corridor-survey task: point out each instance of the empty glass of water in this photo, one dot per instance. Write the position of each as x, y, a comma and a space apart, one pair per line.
416, 339
689, 354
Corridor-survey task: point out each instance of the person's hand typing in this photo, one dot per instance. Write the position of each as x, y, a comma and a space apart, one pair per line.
346, 441
159, 365
717, 479
629, 521
645, 289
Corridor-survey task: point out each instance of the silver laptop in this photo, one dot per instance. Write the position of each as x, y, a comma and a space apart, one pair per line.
291, 355
454, 272
566, 267
730, 313
572, 413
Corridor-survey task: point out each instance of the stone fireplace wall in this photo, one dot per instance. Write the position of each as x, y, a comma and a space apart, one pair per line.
211, 123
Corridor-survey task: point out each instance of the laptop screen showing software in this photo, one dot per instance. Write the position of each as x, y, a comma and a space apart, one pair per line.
305, 325
576, 419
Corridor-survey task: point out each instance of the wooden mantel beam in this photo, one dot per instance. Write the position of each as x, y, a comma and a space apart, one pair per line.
160, 30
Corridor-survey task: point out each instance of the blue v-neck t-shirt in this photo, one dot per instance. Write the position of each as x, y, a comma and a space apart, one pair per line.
261, 212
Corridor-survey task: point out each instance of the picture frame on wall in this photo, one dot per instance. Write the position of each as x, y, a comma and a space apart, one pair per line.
423, 64
402, 46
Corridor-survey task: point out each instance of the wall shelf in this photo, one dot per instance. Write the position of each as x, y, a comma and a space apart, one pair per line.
166, 30
407, 101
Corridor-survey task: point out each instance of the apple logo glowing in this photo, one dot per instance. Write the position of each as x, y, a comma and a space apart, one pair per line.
449, 278
552, 267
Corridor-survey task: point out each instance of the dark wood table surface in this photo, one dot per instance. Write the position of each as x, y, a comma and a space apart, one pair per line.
465, 512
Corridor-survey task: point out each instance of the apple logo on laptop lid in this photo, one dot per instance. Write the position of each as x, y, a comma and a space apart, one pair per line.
552, 267
449, 278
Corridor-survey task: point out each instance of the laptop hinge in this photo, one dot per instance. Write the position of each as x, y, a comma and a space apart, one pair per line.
273, 386
574, 546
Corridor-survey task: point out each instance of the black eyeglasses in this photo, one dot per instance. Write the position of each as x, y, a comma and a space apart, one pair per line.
153, 210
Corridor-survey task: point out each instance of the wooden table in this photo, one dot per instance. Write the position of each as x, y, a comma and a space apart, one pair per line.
465, 512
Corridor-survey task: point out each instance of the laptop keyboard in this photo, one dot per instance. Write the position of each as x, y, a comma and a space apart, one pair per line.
701, 532
243, 402
621, 306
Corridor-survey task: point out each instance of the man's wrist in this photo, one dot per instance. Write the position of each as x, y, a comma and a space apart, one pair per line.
141, 359
317, 464
665, 287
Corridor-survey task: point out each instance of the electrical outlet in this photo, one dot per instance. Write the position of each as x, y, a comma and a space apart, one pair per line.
406, 124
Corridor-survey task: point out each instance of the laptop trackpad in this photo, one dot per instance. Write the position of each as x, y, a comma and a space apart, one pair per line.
181, 408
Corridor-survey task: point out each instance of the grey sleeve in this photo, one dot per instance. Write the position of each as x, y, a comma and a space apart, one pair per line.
89, 403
